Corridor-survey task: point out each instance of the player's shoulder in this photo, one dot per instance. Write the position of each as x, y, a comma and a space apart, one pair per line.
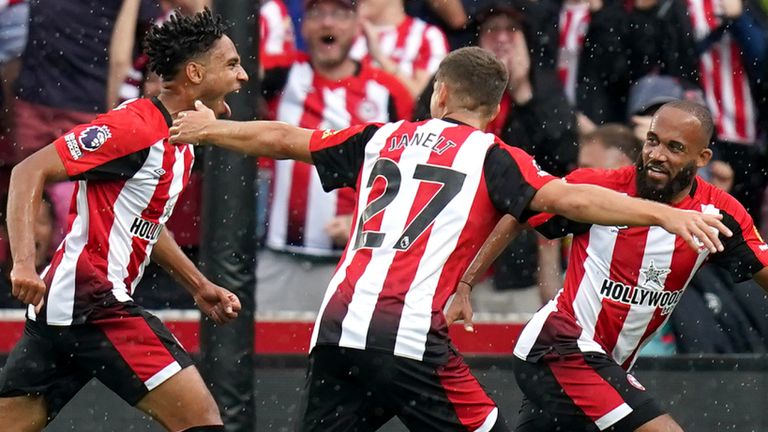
621, 179
706, 194
139, 118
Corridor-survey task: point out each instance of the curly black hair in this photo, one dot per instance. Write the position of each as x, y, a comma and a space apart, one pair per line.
181, 38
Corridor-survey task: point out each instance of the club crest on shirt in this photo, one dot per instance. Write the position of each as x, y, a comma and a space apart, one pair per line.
93, 137
367, 110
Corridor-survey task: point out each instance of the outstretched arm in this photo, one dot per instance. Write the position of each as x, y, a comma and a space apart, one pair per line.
272, 139
594, 204
216, 302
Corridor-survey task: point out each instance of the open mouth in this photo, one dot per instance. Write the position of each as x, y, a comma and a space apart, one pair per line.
328, 40
656, 171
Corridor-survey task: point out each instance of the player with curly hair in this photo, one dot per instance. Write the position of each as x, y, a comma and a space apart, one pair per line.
82, 322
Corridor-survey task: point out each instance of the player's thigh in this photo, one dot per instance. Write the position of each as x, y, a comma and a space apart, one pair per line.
443, 397
37, 380
586, 392
135, 356
336, 396
181, 402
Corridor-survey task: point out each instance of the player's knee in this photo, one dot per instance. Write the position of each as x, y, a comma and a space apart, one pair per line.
24, 414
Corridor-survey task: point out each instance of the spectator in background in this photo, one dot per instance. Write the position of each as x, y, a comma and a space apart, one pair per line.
63, 78
730, 50
14, 22
325, 88
583, 41
610, 146
452, 16
278, 38
536, 117
402, 45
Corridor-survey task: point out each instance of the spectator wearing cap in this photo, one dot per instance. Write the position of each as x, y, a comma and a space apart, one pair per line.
402, 45
729, 60
583, 41
322, 89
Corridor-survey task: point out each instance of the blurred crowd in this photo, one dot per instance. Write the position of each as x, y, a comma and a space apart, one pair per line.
585, 77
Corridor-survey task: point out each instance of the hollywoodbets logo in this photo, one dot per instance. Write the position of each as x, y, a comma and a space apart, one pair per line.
145, 229
627, 294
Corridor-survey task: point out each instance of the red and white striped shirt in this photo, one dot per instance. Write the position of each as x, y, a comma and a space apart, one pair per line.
573, 26
277, 35
623, 282
128, 180
428, 195
725, 81
413, 45
300, 209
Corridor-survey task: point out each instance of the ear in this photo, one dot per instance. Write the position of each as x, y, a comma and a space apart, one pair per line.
704, 157
442, 94
194, 72
495, 113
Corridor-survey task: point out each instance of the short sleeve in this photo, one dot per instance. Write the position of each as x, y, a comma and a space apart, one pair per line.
551, 225
745, 252
513, 178
108, 147
338, 155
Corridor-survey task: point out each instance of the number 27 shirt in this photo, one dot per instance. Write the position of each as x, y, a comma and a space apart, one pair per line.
427, 195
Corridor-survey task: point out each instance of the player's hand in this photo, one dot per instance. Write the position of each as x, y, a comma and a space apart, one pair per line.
26, 285
218, 303
460, 308
338, 229
697, 229
189, 126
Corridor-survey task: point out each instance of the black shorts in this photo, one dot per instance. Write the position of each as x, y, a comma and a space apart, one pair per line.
131, 354
354, 390
581, 393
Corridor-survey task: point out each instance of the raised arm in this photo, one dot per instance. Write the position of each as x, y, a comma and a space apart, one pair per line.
24, 196
272, 139
216, 302
594, 204
121, 49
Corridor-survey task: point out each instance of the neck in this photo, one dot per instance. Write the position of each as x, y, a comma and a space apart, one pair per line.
392, 16
175, 98
682, 194
467, 117
338, 72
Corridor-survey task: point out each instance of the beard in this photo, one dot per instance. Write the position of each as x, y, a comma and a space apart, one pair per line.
665, 194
